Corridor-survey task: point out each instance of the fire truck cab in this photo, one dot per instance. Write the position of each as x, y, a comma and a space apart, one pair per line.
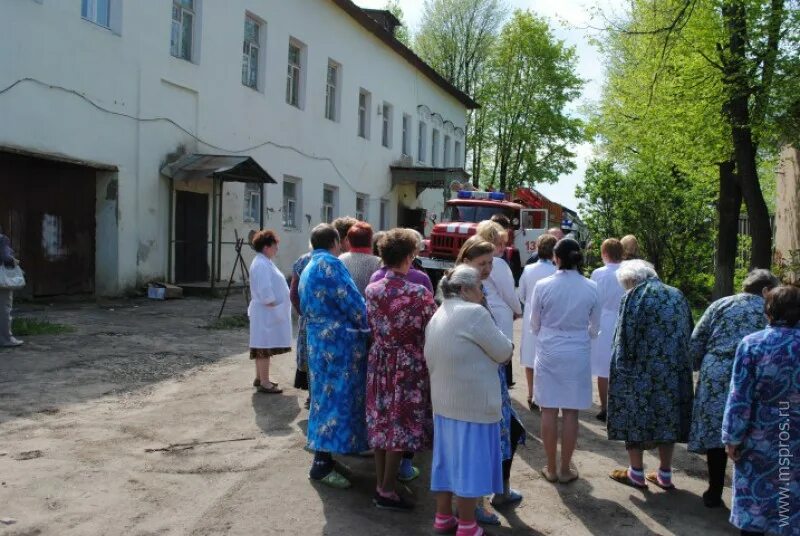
460, 219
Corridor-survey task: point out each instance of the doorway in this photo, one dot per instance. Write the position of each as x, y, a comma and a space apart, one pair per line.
191, 237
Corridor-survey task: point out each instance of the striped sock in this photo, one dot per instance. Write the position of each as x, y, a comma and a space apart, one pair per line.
468, 529
443, 522
637, 475
665, 477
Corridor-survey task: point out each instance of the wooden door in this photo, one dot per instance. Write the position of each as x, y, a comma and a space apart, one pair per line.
191, 237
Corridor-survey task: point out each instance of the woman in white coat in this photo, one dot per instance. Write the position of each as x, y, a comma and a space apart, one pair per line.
270, 310
610, 293
532, 274
565, 316
501, 296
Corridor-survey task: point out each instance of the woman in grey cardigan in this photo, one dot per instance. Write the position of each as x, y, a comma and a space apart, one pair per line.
463, 348
6, 295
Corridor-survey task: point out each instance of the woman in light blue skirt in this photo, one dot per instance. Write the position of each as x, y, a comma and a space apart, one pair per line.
463, 348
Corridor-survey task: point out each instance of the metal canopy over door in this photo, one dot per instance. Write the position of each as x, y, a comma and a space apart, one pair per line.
191, 237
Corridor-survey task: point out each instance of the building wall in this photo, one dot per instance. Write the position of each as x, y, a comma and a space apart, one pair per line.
202, 106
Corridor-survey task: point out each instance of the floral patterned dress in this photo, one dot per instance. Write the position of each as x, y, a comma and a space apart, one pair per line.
723, 326
762, 416
650, 385
336, 322
302, 344
399, 413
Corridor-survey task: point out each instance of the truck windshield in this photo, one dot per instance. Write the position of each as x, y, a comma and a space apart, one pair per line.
474, 213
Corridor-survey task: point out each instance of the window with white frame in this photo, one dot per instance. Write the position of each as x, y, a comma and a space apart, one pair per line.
182, 35
422, 141
291, 202
328, 204
457, 153
332, 91
446, 159
362, 206
250, 52
97, 11
386, 124
364, 105
435, 148
294, 78
406, 135
384, 223
252, 202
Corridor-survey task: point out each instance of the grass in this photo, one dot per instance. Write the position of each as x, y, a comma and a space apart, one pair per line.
25, 327
229, 322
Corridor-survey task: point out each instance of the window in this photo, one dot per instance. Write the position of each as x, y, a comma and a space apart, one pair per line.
332, 91
421, 141
294, 80
362, 203
252, 202
406, 135
386, 125
181, 38
446, 151
291, 203
364, 105
435, 148
384, 223
97, 11
457, 152
250, 50
328, 204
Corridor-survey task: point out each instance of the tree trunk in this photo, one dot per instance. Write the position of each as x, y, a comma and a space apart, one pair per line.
744, 147
729, 206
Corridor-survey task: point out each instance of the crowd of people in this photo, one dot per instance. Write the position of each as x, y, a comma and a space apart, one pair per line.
395, 367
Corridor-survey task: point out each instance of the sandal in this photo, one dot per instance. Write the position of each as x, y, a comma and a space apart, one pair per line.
273, 389
484, 517
335, 480
550, 477
569, 477
653, 477
621, 476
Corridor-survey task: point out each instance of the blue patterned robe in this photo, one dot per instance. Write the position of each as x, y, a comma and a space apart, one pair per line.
650, 385
337, 331
723, 326
762, 416
302, 343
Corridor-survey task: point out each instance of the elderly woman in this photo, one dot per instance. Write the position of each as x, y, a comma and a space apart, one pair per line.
359, 260
611, 293
762, 419
270, 310
336, 317
398, 390
723, 326
7, 260
533, 273
650, 385
479, 254
565, 316
499, 286
301, 352
463, 349
414, 275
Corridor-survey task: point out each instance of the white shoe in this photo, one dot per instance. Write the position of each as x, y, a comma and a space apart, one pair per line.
13, 343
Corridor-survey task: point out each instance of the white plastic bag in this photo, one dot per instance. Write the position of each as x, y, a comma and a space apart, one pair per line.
12, 278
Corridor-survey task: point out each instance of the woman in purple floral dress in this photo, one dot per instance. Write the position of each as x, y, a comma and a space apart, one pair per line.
399, 415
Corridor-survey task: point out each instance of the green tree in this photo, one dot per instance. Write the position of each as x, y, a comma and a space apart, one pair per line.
401, 33
529, 82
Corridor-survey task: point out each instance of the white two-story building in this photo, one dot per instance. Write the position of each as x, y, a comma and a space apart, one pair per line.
138, 139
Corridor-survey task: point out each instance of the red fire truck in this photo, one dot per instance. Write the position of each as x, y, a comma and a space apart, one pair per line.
530, 213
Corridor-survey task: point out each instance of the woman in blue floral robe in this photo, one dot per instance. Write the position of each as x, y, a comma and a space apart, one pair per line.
650, 384
761, 428
723, 326
337, 333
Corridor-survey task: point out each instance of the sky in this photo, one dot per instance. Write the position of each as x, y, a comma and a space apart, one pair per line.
569, 20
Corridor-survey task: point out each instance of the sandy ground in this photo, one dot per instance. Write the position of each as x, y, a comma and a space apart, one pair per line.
141, 422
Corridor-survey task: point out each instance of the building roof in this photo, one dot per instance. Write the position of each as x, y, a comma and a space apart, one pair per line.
374, 27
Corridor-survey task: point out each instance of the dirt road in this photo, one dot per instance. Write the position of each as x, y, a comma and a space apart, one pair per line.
142, 423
